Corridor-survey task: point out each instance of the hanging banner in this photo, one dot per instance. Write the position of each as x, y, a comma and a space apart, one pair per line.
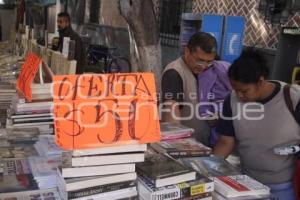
28, 72
233, 38
213, 24
94, 110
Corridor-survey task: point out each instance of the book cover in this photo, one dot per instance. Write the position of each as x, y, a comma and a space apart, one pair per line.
171, 130
162, 170
17, 166
107, 159
17, 183
74, 184
112, 149
239, 185
187, 147
125, 193
211, 166
100, 189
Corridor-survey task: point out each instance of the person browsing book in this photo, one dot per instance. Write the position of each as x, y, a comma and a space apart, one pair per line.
256, 120
179, 84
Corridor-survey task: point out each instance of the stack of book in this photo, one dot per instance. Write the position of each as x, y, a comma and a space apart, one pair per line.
7, 91
3, 138
45, 173
240, 187
17, 182
47, 148
41, 91
16, 176
22, 136
17, 151
34, 114
17, 143
9, 70
161, 177
101, 173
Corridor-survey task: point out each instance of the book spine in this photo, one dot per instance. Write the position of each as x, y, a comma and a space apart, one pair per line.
187, 190
99, 189
198, 197
166, 194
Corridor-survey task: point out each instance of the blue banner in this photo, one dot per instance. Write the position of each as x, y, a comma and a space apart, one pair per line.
213, 24
233, 38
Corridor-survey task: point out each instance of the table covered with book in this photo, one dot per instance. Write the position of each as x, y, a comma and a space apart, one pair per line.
37, 163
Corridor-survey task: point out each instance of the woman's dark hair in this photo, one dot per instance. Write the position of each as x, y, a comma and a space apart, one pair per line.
249, 67
205, 41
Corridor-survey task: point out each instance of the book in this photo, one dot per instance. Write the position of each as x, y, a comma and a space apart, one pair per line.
212, 166
240, 185
204, 196
44, 174
107, 159
17, 151
113, 195
100, 189
17, 183
111, 149
201, 185
46, 194
187, 147
217, 196
71, 172
15, 166
162, 170
74, 184
172, 130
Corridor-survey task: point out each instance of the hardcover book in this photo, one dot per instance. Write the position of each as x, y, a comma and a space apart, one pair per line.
171, 131
162, 170
187, 147
212, 166
240, 185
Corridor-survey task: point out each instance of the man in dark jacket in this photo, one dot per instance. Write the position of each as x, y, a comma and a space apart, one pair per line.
65, 30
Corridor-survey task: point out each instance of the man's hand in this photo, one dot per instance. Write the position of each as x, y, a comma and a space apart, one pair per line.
224, 146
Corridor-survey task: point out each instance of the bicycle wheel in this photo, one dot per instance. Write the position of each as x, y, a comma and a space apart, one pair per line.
119, 65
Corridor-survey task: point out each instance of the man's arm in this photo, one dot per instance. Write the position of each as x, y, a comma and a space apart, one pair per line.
172, 87
224, 146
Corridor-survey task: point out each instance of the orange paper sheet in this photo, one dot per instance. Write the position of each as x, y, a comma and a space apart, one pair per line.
101, 109
28, 72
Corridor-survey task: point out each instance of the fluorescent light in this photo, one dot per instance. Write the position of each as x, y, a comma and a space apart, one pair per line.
1, 1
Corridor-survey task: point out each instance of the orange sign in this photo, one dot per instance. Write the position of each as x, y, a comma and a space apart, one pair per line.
28, 72
94, 110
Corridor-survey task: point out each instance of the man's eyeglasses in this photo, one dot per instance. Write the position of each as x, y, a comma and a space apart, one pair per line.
204, 63
200, 62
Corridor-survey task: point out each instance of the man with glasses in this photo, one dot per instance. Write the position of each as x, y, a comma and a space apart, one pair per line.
179, 84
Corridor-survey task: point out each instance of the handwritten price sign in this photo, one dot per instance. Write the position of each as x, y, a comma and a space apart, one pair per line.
28, 72
101, 109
